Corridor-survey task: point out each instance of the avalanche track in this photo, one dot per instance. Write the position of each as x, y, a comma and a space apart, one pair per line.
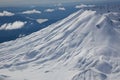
83, 46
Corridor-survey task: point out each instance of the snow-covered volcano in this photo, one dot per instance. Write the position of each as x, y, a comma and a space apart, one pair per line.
83, 46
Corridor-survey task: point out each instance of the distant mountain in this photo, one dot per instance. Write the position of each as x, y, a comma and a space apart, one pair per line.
83, 46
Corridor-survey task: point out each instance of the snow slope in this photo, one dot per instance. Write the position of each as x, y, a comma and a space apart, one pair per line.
83, 46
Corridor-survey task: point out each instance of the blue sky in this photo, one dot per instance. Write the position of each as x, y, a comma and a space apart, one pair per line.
20, 2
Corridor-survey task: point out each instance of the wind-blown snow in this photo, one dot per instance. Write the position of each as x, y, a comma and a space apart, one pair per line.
6, 13
83, 46
11, 26
34, 11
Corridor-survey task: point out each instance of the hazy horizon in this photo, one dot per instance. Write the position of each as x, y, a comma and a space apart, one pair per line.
42, 2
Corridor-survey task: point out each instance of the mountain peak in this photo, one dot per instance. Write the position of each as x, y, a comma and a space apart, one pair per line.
83, 41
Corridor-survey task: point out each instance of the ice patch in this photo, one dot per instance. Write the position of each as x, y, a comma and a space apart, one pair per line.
104, 67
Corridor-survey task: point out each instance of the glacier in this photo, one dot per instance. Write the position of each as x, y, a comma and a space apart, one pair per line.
83, 46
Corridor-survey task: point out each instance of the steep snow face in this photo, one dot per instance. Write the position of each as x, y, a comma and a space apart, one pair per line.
83, 46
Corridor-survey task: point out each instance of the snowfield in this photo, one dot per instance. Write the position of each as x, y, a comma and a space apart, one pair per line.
83, 46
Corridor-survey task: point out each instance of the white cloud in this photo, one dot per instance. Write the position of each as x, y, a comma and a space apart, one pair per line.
91, 5
61, 8
83, 6
41, 20
49, 10
31, 11
6, 13
11, 26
